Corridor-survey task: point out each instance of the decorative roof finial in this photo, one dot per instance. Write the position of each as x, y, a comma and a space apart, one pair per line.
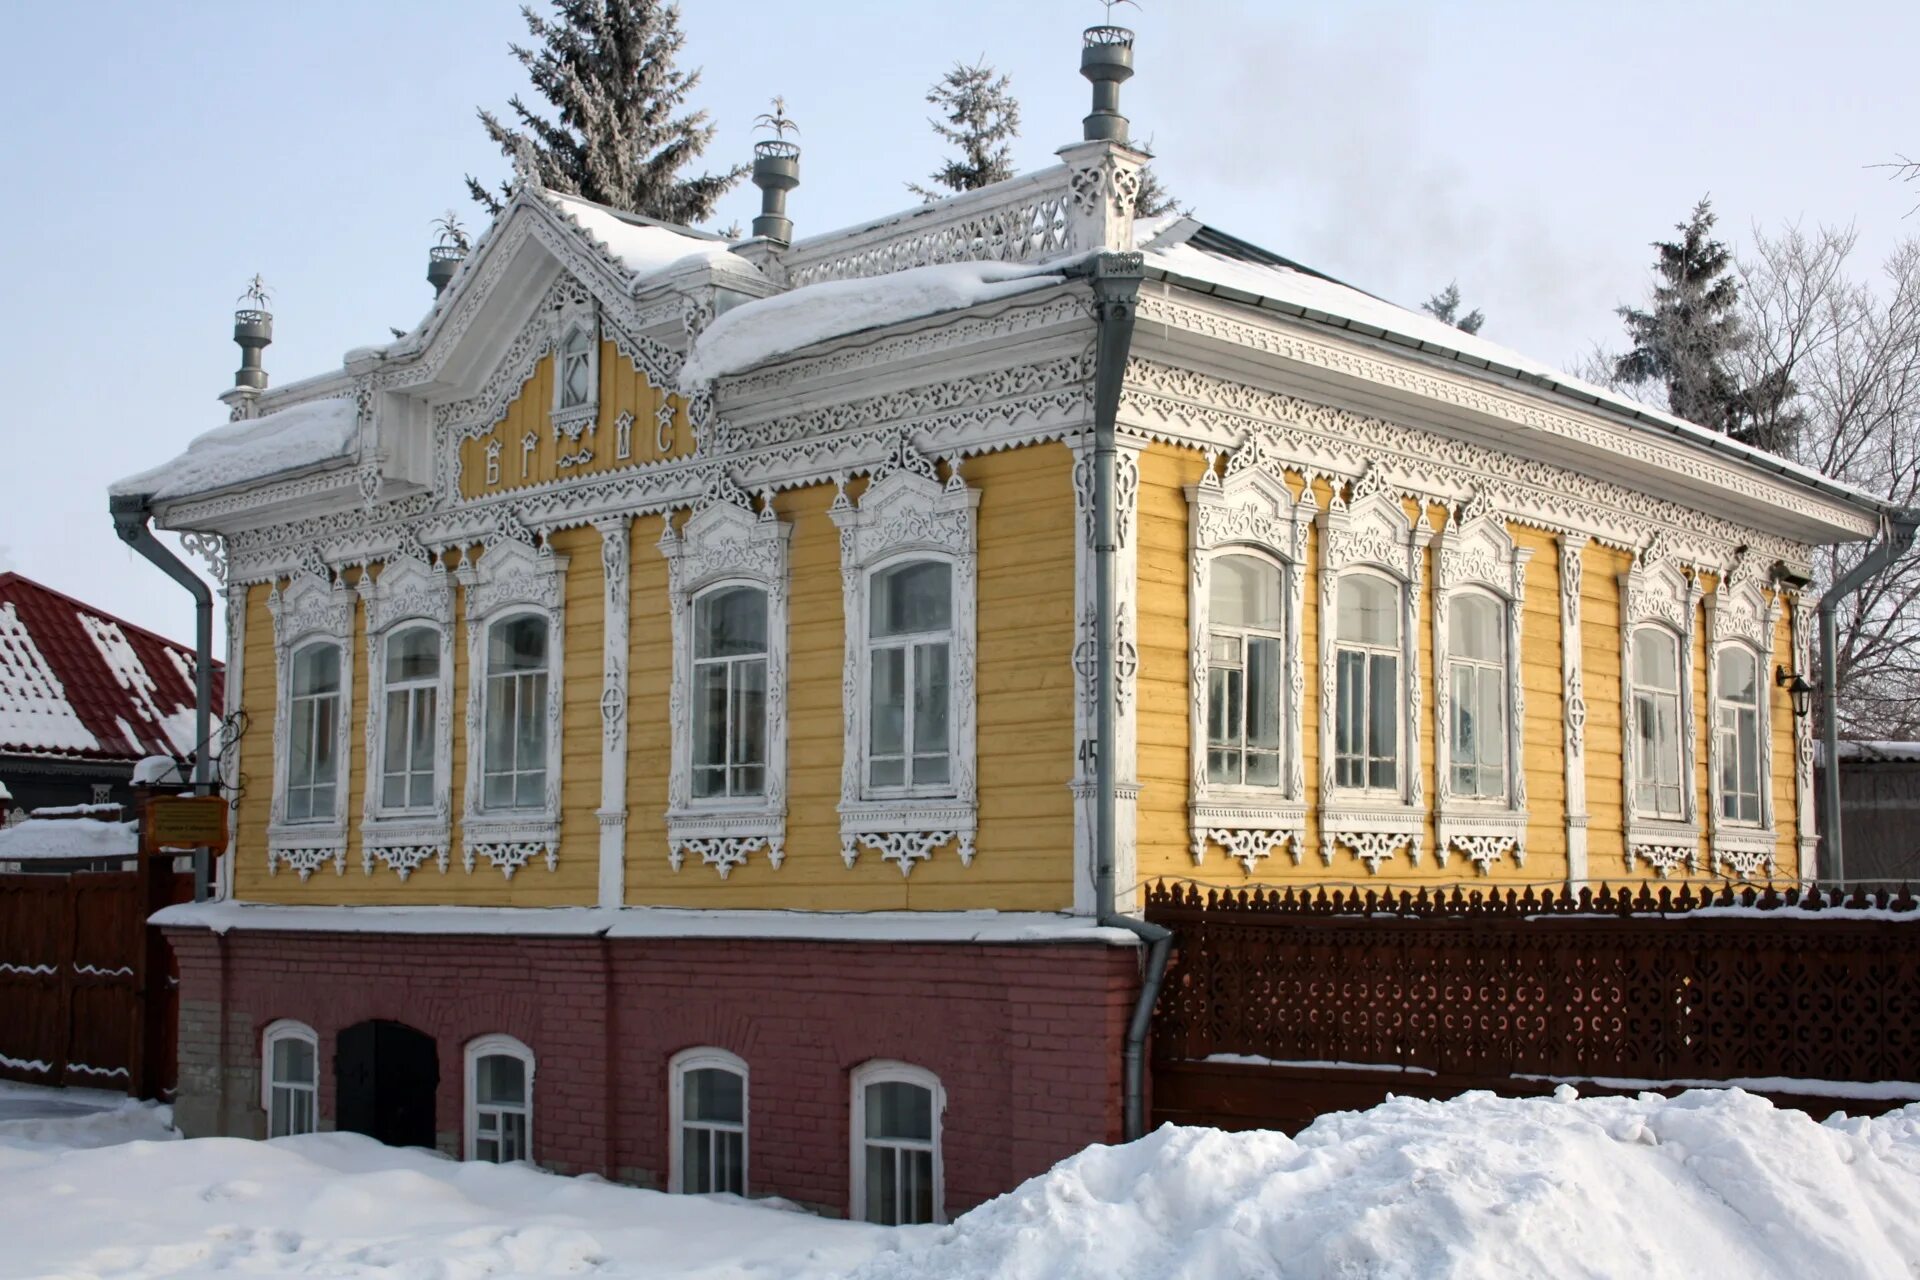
253, 331
776, 119
776, 171
446, 253
256, 295
1106, 58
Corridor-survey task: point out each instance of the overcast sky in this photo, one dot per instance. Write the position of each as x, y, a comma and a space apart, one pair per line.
158, 155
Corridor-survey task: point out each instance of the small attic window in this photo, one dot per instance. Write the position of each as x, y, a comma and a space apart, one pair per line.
575, 379
576, 375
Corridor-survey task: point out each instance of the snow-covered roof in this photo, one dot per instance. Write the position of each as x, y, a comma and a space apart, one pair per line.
292, 439
78, 682
1879, 752
644, 246
39, 837
758, 330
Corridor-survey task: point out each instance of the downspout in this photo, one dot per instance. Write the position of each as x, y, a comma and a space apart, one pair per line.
1116, 287
130, 516
1896, 537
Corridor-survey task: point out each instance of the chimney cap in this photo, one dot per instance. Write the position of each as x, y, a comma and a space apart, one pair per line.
1108, 35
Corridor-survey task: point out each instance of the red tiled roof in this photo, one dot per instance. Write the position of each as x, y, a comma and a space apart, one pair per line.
81, 683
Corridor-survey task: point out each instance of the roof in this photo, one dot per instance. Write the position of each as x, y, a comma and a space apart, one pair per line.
291, 439
78, 683
1870, 752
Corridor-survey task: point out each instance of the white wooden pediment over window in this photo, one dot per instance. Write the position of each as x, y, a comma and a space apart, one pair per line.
726, 541
1249, 507
512, 576
1476, 553
315, 606
1657, 591
1741, 611
907, 512
1370, 530
413, 589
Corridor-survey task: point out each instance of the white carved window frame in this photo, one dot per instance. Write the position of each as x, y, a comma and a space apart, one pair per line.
725, 542
1248, 511
1656, 591
705, 1058
577, 317
1371, 532
316, 607
906, 513
512, 578
409, 591
1741, 612
1477, 555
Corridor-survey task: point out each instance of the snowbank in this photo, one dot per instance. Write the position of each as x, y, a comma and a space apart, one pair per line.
756, 331
68, 838
304, 435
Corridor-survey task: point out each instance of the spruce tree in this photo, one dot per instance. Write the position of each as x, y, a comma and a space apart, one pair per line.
1153, 198
982, 119
607, 67
1444, 306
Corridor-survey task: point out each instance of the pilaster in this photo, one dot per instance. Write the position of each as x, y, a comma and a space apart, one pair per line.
614, 560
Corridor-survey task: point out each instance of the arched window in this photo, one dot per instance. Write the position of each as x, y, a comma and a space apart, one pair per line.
1737, 703
576, 370
709, 1107
514, 752
1246, 643
289, 1078
1367, 694
412, 682
909, 679
1477, 689
730, 693
313, 763
1658, 782
897, 1175
499, 1100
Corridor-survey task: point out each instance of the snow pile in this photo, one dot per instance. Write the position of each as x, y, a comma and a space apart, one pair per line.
68, 838
643, 248
157, 771
1709, 1183
304, 435
755, 331
76, 1119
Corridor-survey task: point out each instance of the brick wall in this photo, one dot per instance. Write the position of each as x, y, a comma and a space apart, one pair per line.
1025, 1039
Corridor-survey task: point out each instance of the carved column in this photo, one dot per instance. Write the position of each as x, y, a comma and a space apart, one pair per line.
614, 546
1807, 831
1126, 501
231, 702
1574, 710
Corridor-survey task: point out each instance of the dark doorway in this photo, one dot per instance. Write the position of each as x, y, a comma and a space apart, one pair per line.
384, 1078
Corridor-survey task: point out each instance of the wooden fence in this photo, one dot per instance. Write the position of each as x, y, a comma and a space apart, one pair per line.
86, 988
1279, 1006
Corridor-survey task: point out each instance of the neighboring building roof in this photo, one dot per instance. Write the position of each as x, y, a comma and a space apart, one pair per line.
79, 683
1880, 752
39, 837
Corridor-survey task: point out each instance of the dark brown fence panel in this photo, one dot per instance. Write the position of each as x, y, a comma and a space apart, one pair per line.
1432, 995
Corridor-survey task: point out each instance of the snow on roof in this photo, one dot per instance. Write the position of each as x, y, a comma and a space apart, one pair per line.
758, 330
157, 771
75, 681
304, 435
1171, 248
1878, 752
68, 838
643, 246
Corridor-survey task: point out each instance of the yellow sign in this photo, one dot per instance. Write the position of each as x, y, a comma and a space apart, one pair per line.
187, 822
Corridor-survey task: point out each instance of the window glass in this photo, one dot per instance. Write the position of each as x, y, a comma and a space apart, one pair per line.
502, 1114
912, 597
1244, 592
413, 654
1658, 788
313, 722
515, 735
899, 1158
1738, 724
1474, 628
574, 381
1367, 684
730, 693
730, 622
909, 677
713, 1131
1369, 610
897, 1109
1244, 683
413, 673
1477, 688
292, 1096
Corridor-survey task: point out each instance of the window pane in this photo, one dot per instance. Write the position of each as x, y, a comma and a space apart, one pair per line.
393, 791
1382, 728
882, 1193
714, 1093
1493, 720
1466, 715
749, 712
1369, 610
513, 1136
300, 743
1656, 661
1263, 692
316, 669
281, 1122
917, 1173
730, 1162
325, 711
1473, 628
501, 1078
1263, 768
897, 1109
930, 698
1738, 676
696, 1160
912, 597
709, 714
1349, 727
1244, 592
517, 644
413, 654
887, 706
530, 746
730, 622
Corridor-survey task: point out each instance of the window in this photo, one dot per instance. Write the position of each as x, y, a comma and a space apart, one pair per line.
1367, 696
897, 1177
499, 1100
515, 748
1658, 787
576, 370
413, 689
103, 793
730, 693
289, 1076
1477, 683
1737, 697
910, 687
1246, 640
313, 714
709, 1105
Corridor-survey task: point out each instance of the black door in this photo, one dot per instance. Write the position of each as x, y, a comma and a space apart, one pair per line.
384, 1078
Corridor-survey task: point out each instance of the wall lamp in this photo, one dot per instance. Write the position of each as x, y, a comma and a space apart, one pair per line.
1798, 687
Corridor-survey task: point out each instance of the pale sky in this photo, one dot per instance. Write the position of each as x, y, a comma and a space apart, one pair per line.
158, 155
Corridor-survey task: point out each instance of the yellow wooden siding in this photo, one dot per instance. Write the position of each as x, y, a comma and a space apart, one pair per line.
259, 688
1543, 739
1161, 812
1782, 759
623, 389
1600, 683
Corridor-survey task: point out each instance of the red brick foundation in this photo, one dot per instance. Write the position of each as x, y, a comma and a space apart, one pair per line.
1026, 1039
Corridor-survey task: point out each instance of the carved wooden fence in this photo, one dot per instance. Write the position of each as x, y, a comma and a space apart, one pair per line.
1279, 1006
86, 993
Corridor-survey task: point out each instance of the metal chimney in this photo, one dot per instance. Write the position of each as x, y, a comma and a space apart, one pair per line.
1106, 58
253, 331
776, 171
447, 253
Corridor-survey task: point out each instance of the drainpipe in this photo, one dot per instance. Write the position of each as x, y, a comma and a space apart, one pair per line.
1116, 287
130, 516
1897, 530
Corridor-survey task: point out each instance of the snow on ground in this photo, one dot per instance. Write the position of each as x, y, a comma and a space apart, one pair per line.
1710, 1183
303, 435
